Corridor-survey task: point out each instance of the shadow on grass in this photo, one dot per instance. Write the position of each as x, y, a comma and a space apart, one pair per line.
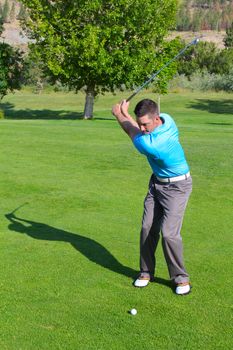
44, 114
164, 282
91, 249
213, 106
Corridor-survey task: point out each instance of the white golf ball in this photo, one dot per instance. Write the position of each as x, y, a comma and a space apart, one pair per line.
133, 311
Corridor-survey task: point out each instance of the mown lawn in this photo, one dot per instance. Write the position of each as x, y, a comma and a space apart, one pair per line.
70, 251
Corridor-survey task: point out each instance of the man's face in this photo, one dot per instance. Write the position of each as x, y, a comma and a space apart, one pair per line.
148, 124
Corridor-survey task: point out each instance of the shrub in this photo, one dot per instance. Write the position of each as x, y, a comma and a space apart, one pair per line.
203, 81
1, 114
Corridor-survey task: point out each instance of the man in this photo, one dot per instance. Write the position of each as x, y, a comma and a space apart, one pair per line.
156, 136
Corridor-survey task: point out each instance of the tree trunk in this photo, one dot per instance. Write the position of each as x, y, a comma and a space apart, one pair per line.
89, 103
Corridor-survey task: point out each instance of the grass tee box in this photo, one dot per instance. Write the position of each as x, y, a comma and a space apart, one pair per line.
70, 252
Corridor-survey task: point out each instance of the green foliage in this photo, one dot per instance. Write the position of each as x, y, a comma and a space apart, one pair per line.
225, 82
207, 68
100, 45
1, 27
1, 114
170, 49
22, 15
206, 56
33, 71
11, 68
204, 81
183, 18
223, 61
12, 12
204, 15
198, 57
6, 11
228, 40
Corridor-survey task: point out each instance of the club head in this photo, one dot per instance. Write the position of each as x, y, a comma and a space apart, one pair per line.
196, 40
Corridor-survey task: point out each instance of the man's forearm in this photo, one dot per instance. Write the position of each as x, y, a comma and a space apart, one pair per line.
128, 124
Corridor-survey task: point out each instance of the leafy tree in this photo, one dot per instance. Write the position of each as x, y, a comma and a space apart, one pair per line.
199, 57
100, 45
228, 40
11, 68
224, 61
204, 14
6, 11
12, 12
206, 57
197, 20
22, 15
183, 18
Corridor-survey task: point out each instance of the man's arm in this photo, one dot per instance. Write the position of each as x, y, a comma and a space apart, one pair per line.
128, 124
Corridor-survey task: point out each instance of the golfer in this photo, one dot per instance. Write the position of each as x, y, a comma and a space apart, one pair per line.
156, 136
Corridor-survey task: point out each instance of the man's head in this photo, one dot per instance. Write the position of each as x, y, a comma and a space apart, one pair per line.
147, 115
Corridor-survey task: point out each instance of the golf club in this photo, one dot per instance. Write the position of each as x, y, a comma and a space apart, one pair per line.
193, 42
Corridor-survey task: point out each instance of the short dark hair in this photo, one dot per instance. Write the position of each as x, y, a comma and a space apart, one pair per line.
146, 106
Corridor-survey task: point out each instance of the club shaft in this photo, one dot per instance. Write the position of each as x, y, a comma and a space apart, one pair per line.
193, 42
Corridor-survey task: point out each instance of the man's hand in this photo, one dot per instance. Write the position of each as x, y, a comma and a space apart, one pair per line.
128, 124
125, 108
116, 110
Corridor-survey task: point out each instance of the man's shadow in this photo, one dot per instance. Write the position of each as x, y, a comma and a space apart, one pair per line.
91, 249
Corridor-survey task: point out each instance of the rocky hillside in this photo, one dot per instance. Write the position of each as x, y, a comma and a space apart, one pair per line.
199, 15
10, 12
14, 36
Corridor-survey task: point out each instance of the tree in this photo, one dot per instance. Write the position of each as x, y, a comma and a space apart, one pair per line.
100, 45
11, 68
183, 17
228, 40
22, 13
224, 61
12, 12
6, 11
200, 57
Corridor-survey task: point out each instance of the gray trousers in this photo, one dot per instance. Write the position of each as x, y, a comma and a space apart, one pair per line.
164, 208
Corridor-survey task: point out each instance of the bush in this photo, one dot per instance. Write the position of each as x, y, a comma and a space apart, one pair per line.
1, 114
224, 82
203, 81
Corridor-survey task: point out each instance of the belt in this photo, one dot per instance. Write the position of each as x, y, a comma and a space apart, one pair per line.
173, 179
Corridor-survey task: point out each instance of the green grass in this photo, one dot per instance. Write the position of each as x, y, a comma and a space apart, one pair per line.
69, 255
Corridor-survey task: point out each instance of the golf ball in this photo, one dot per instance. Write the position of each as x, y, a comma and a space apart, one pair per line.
133, 311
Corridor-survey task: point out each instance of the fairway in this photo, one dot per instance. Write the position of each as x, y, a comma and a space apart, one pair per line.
70, 250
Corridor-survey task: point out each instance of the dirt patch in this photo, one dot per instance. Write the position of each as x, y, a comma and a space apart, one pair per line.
207, 35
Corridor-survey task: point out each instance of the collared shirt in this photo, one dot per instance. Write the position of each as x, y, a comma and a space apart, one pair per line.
163, 149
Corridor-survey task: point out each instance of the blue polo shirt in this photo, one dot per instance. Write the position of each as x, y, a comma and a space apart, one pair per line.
163, 149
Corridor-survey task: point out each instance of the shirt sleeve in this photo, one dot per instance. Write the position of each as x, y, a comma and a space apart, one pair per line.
144, 144
138, 143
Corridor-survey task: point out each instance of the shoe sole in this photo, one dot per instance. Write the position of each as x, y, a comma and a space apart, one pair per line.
181, 295
151, 280
185, 293
141, 286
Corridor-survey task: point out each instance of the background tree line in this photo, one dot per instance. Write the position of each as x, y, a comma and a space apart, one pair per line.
199, 15
107, 49
192, 15
11, 11
206, 67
